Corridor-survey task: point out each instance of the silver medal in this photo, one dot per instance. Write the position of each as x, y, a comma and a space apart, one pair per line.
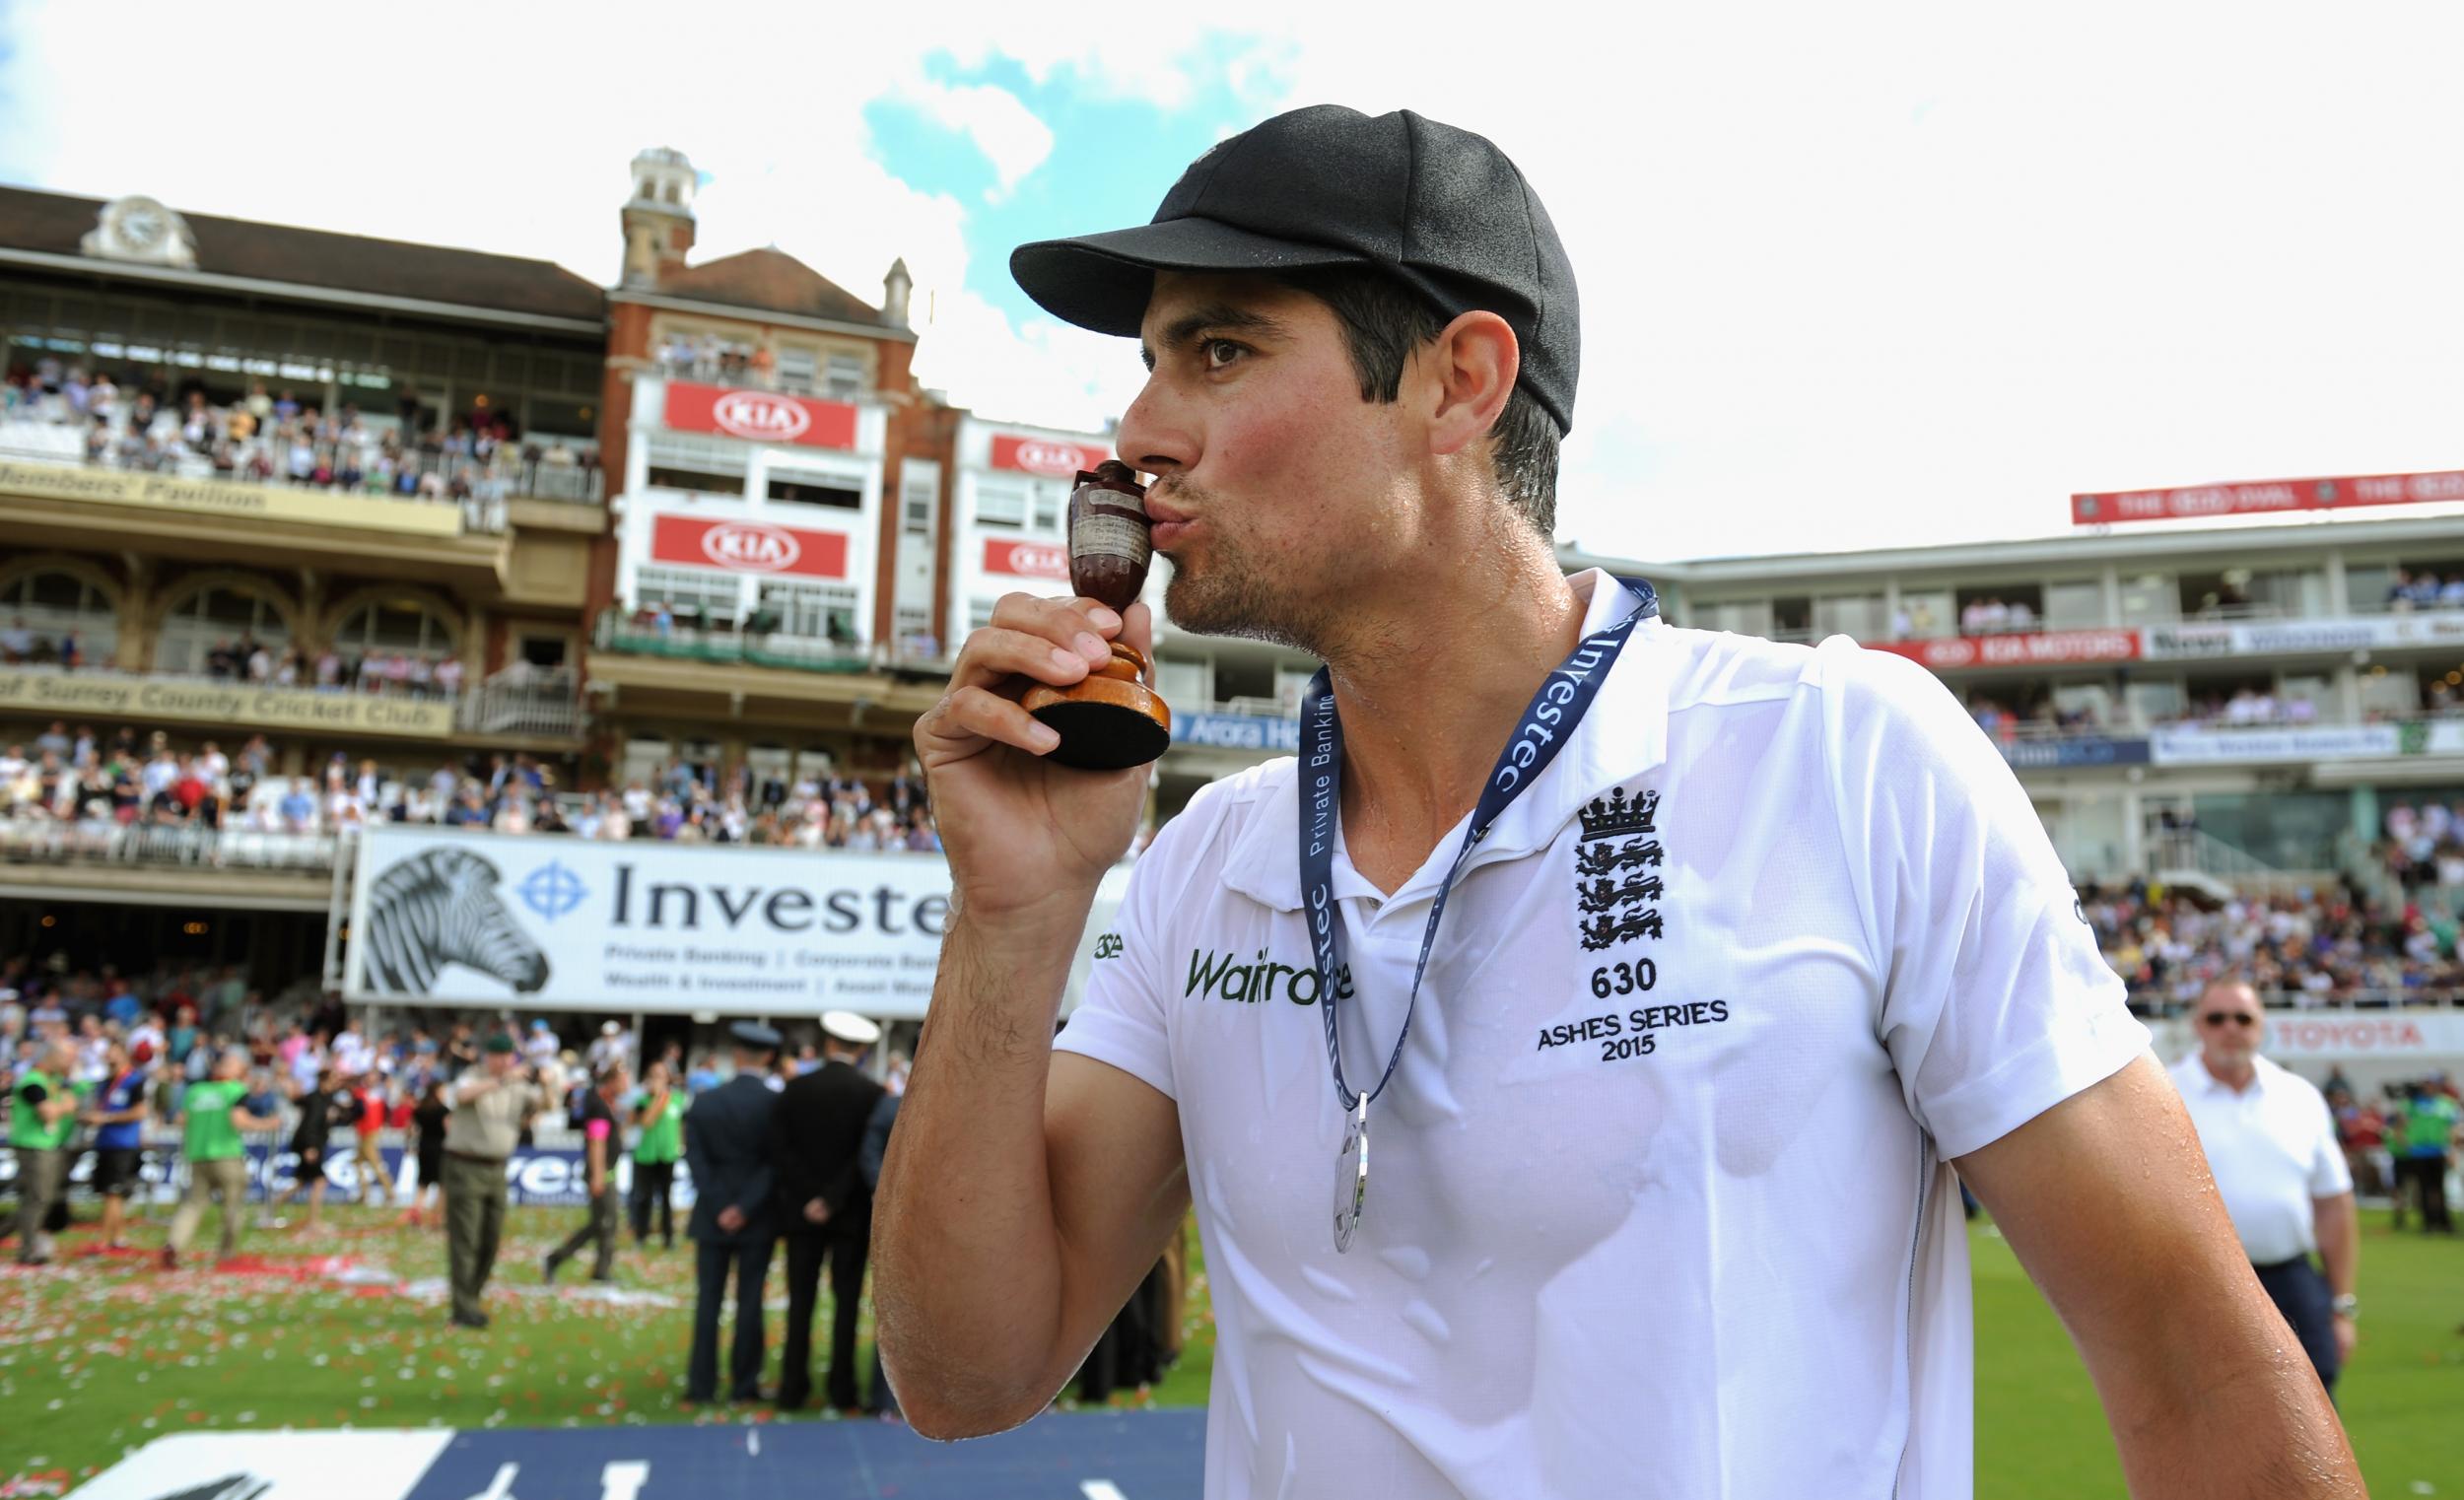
1351, 1177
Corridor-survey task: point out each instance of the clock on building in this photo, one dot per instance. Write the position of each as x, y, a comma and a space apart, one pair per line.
139, 229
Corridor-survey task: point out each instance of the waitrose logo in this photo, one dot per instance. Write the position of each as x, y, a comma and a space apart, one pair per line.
1257, 979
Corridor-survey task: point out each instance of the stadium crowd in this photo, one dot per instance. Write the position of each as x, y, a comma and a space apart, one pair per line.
2425, 844
263, 437
67, 790
2425, 590
2306, 950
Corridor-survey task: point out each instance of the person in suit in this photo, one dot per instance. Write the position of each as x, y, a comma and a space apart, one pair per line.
868, 1166
726, 1143
824, 1207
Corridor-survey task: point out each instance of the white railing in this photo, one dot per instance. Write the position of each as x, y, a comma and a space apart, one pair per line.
509, 474
91, 840
2177, 850
502, 706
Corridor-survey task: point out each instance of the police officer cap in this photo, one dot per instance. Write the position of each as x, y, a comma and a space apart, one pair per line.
850, 1028
498, 1042
754, 1035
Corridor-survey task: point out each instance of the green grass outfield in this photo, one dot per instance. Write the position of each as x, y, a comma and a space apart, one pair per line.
108, 1354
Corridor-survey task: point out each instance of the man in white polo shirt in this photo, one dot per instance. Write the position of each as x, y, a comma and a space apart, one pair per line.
1564, 1054
2270, 1142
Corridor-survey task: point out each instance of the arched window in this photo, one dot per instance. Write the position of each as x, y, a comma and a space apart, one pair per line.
392, 626
219, 617
40, 610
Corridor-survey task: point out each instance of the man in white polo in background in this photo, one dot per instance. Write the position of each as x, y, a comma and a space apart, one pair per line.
2271, 1141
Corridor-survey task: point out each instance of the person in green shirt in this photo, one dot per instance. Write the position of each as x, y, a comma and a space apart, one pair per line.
2421, 1141
218, 1159
42, 1115
659, 1112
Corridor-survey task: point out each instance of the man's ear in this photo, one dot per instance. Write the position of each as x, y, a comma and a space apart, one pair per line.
1467, 373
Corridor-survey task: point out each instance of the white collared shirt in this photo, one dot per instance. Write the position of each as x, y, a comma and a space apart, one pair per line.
2272, 1149
1657, 1201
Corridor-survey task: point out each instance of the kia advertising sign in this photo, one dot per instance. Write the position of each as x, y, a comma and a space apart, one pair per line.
760, 416
2267, 496
544, 922
1027, 560
1049, 457
2051, 648
747, 546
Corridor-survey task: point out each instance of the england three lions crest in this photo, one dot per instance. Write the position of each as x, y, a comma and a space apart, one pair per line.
1618, 870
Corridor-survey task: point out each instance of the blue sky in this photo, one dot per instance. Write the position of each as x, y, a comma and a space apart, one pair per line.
1112, 159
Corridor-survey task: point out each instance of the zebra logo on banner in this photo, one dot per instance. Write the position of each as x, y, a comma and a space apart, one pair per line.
440, 908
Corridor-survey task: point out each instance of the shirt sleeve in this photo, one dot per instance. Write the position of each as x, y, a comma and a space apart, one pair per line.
1122, 1020
1995, 1004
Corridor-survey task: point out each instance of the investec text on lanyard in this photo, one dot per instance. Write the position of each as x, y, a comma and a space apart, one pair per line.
1547, 723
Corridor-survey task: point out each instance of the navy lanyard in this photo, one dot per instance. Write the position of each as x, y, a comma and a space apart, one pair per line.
1546, 724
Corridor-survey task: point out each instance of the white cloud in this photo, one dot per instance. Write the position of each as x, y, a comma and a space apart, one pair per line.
1850, 276
998, 124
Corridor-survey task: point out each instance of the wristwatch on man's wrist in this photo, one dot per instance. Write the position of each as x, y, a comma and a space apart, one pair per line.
2348, 1307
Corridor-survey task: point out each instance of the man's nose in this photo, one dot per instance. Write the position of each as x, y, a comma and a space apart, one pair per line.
1156, 435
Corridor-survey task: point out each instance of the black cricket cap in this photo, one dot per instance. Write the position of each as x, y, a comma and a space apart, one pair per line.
1440, 209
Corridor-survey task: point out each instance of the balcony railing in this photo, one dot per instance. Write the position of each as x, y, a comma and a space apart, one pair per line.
735, 368
413, 473
515, 701
92, 840
721, 639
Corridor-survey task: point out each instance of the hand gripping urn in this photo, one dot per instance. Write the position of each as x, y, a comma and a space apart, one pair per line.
1111, 719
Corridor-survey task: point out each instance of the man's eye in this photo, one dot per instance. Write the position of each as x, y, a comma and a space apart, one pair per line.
1218, 353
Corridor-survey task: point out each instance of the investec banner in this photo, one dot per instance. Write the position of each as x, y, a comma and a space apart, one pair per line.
217, 497
552, 922
2285, 638
2198, 745
217, 703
